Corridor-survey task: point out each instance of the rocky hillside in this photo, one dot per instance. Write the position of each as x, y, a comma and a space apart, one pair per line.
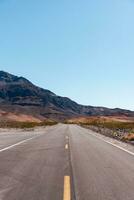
19, 96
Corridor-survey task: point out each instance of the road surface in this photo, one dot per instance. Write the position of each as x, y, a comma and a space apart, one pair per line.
63, 162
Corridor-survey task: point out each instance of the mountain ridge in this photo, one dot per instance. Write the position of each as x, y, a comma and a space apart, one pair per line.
19, 95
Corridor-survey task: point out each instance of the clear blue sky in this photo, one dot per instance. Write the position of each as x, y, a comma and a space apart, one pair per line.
83, 49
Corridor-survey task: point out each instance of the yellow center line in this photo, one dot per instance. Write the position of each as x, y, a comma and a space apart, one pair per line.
66, 146
67, 188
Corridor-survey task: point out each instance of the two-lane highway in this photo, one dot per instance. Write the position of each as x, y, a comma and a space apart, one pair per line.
63, 162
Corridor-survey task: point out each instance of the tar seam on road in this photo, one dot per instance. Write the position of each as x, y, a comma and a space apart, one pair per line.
67, 188
16, 144
67, 137
71, 173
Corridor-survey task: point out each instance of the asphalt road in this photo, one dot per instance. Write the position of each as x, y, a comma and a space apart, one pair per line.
63, 162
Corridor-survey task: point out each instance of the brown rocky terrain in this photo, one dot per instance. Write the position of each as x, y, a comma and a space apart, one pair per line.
22, 100
118, 127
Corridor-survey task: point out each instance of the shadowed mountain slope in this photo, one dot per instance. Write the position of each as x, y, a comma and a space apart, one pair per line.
18, 95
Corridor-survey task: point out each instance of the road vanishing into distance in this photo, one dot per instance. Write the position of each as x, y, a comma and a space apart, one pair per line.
63, 162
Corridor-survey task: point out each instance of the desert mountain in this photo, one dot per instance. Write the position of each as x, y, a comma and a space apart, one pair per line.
20, 97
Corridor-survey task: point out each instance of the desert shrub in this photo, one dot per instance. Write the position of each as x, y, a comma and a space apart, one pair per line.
114, 125
23, 125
